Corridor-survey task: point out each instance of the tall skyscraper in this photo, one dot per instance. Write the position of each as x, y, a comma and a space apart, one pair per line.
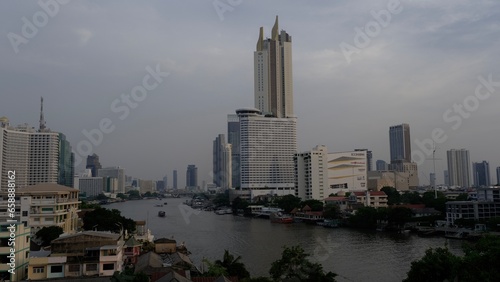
267, 149
273, 84
192, 177
222, 162
446, 176
174, 180
66, 162
458, 167
233, 138
481, 174
93, 164
400, 143
498, 175
165, 182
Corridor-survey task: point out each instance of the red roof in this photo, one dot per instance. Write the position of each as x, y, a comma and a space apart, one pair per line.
335, 199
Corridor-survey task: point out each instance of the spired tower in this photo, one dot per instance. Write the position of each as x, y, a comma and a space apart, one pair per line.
273, 86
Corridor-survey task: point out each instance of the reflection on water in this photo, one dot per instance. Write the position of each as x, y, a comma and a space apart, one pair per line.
354, 255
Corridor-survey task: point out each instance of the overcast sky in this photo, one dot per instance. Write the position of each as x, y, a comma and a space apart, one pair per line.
415, 63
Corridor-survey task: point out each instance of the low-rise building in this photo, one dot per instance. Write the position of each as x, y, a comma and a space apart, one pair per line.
164, 245
87, 253
475, 210
376, 199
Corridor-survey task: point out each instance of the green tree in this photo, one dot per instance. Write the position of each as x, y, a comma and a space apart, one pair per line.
101, 197
233, 266
393, 196
148, 194
411, 198
398, 216
294, 266
239, 204
437, 265
221, 200
332, 212
122, 196
288, 202
47, 234
315, 205
134, 194
365, 217
462, 197
107, 220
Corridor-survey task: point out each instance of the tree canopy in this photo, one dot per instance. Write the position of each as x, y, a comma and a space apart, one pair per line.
107, 220
294, 266
288, 202
47, 234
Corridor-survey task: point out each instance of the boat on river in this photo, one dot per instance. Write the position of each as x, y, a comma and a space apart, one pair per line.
161, 213
278, 217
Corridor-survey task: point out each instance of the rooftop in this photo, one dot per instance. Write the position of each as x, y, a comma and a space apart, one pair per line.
46, 187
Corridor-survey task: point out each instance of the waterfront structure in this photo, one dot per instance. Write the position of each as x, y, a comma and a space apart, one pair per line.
88, 253
49, 204
192, 177
93, 164
267, 149
458, 167
481, 174
311, 173
400, 142
174, 179
221, 163
233, 138
369, 157
20, 236
273, 85
347, 171
114, 172
381, 165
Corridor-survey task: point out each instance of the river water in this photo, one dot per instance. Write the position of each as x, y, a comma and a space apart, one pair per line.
354, 255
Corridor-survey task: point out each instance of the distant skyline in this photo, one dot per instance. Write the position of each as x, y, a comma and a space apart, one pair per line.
431, 64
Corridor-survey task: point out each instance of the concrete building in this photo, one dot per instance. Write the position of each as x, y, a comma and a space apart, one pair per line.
114, 172
382, 165
146, 186
49, 204
369, 158
407, 167
267, 149
85, 254
37, 157
273, 85
379, 179
174, 180
233, 138
458, 167
20, 234
93, 164
192, 177
498, 175
311, 173
222, 163
376, 199
481, 174
446, 176
400, 142
347, 171
91, 186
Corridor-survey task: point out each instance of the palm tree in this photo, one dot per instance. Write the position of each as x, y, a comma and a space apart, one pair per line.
233, 265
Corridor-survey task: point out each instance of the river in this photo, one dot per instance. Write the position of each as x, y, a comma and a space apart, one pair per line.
354, 255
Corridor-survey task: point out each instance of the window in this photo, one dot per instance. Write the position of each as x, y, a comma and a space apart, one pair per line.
74, 268
56, 269
92, 267
38, 269
25, 213
108, 266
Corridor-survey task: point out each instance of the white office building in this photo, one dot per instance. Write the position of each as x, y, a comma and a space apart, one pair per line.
347, 171
459, 167
267, 149
311, 169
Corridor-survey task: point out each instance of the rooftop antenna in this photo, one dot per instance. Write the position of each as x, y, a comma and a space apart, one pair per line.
42, 120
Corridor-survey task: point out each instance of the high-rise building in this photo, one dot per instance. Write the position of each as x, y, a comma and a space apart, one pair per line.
221, 162
165, 183
498, 175
311, 170
41, 156
114, 172
174, 180
481, 174
369, 157
233, 138
267, 149
192, 177
93, 164
273, 84
458, 167
446, 176
400, 143
381, 165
